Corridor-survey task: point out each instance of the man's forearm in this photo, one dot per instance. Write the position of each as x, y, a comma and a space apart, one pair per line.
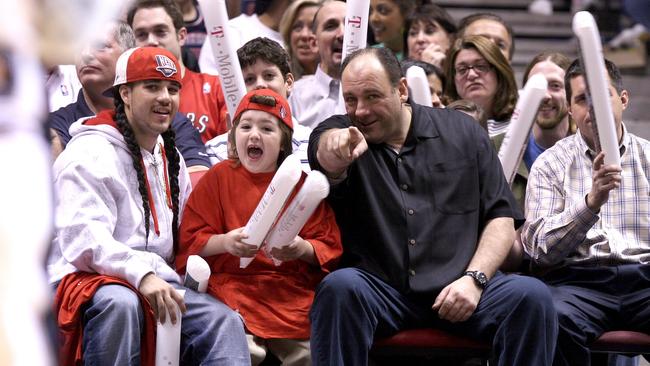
494, 245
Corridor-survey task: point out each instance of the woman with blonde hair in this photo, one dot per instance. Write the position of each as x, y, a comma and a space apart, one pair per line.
296, 30
477, 71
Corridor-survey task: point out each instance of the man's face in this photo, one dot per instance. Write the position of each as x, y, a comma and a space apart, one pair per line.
579, 110
329, 36
150, 106
96, 63
265, 75
153, 27
493, 30
373, 105
553, 109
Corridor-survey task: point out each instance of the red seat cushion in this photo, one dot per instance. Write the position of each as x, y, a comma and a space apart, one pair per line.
622, 341
430, 339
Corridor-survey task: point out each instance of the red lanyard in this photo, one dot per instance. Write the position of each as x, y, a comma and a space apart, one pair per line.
152, 206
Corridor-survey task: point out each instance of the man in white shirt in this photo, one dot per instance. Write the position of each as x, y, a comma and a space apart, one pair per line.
264, 23
316, 98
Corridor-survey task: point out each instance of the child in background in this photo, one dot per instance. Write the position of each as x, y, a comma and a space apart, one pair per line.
273, 300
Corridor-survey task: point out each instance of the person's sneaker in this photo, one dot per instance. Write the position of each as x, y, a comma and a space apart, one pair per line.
628, 37
541, 7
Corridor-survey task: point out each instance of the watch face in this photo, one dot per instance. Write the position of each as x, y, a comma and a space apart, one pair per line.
481, 278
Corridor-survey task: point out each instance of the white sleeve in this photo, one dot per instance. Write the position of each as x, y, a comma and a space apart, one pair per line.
90, 198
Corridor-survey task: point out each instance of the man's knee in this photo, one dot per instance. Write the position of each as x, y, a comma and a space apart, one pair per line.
120, 301
529, 293
339, 284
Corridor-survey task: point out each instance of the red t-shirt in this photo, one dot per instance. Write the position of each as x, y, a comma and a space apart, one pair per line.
274, 301
203, 103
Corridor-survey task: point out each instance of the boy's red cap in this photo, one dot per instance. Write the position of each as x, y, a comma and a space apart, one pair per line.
268, 101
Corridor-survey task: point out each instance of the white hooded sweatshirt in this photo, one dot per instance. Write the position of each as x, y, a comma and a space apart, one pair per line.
99, 219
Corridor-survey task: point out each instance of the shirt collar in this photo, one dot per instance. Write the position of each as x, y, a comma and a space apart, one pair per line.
326, 84
422, 125
591, 154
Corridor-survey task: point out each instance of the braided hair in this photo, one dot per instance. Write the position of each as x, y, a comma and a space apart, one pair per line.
173, 167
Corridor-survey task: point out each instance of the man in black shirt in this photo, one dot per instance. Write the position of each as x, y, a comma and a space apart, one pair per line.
426, 218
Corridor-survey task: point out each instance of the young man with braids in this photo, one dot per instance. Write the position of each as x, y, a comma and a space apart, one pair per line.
122, 186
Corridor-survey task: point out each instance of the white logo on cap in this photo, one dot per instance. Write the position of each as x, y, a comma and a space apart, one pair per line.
283, 113
166, 66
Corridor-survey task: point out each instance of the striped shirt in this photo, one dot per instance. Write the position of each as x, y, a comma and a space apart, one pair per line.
561, 230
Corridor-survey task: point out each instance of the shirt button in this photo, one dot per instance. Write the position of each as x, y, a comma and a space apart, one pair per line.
411, 212
411, 272
399, 160
405, 187
412, 241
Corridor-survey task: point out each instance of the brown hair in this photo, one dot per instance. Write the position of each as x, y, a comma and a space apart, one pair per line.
506, 97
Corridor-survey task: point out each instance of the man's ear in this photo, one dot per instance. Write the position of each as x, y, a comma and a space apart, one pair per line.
125, 94
288, 82
625, 98
403, 90
182, 36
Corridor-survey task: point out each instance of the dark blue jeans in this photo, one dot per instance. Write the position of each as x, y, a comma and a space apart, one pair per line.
352, 307
592, 300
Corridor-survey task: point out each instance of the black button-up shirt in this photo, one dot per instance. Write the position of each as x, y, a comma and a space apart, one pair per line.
414, 218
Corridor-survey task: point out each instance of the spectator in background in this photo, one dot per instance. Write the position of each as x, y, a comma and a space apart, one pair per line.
265, 65
299, 38
470, 108
430, 32
316, 98
62, 86
435, 78
96, 70
478, 71
264, 23
386, 20
159, 23
196, 33
588, 229
491, 26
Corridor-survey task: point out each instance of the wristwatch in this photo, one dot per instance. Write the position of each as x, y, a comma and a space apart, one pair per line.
479, 277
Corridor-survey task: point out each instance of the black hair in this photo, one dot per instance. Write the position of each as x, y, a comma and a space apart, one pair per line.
576, 69
173, 167
170, 7
428, 13
385, 56
268, 50
427, 67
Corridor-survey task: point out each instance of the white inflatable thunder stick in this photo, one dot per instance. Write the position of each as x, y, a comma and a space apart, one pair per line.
197, 273
418, 85
514, 143
355, 32
584, 26
315, 189
168, 340
356, 26
271, 204
225, 53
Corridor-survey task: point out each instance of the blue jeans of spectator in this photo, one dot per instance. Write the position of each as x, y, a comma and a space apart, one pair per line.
352, 307
211, 333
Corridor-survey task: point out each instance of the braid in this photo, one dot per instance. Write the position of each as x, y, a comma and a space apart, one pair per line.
173, 168
134, 149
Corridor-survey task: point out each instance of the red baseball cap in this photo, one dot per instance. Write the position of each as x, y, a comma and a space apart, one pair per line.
268, 101
146, 63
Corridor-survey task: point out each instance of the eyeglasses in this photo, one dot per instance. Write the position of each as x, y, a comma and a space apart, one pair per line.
462, 70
